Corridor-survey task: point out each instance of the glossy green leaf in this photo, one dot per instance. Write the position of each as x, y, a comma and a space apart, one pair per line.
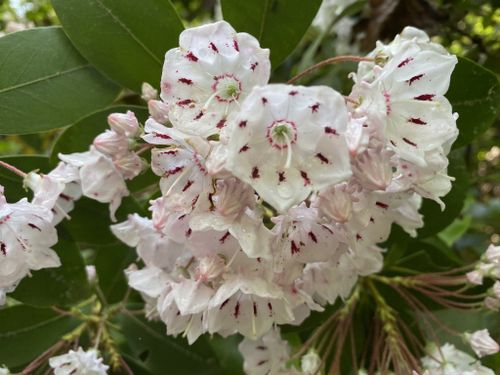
162, 354
63, 286
436, 220
475, 95
26, 332
277, 24
110, 264
125, 39
46, 83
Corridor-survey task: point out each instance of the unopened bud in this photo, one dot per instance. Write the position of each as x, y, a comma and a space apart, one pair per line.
481, 343
148, 92
111, 143
124, 123
158, 111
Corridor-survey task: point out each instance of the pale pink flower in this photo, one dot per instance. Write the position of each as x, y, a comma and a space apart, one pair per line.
78, 362
481, 343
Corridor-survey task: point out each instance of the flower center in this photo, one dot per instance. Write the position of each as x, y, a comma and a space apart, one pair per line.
281, 134
226, 88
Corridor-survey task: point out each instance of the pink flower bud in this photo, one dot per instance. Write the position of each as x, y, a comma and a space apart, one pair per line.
335, 203
475, 277
124, 123
111, 143
148, 92
481, 343
129, 165
158, 111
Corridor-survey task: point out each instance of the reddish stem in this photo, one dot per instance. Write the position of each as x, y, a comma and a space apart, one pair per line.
12, 169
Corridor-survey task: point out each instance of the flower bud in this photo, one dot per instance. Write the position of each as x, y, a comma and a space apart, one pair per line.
129, 165
124, 123
492, 303
493, 254
335, 203
158, 111
475, 277
481, 343
373, 169
148, 92
111, 143
310, 363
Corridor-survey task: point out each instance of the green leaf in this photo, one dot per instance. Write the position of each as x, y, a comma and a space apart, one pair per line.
61, 286
226, 350
278, 24
45, 83
436, 220
475, 95
26, 332
125, 39
163, 354
110, 263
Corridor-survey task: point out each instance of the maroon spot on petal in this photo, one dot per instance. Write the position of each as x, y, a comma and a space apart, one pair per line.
425, 97
304, 175
33, 226
244, 148
259, 259
329, 130
254, 309
65, 197
254, 65
372, 220
223, 304
264, 100
358, 237
190, 56
417, 121
188, 185
321, 157
294, 248
188, 232
312, 236
393, 143
293, 93
170, 152
255, 172
281, 176
174, 171
382, 205
260, 363
182, 217
199, 115
193, 202
213, 47
237, 310
405, 62
184, 102
242, 124
235, 45
414, 78
410, 142
221, 123
270, 307
224, 237
261, 347
3, 248
314, 107
328, 229
161, 135
186, 81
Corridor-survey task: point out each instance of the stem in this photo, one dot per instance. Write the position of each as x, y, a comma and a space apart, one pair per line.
143, 149
329, 61
37, 362
12, 169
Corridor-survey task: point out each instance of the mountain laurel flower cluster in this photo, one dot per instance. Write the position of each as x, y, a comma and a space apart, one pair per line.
274, 197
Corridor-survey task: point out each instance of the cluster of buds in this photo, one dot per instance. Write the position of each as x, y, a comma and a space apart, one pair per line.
488, 267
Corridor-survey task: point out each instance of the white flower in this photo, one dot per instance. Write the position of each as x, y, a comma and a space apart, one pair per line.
4, 371
475, 277
448, 360
268, 355
482, 343
206, 78
287, 141
100, 178
78, 362
26, 238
